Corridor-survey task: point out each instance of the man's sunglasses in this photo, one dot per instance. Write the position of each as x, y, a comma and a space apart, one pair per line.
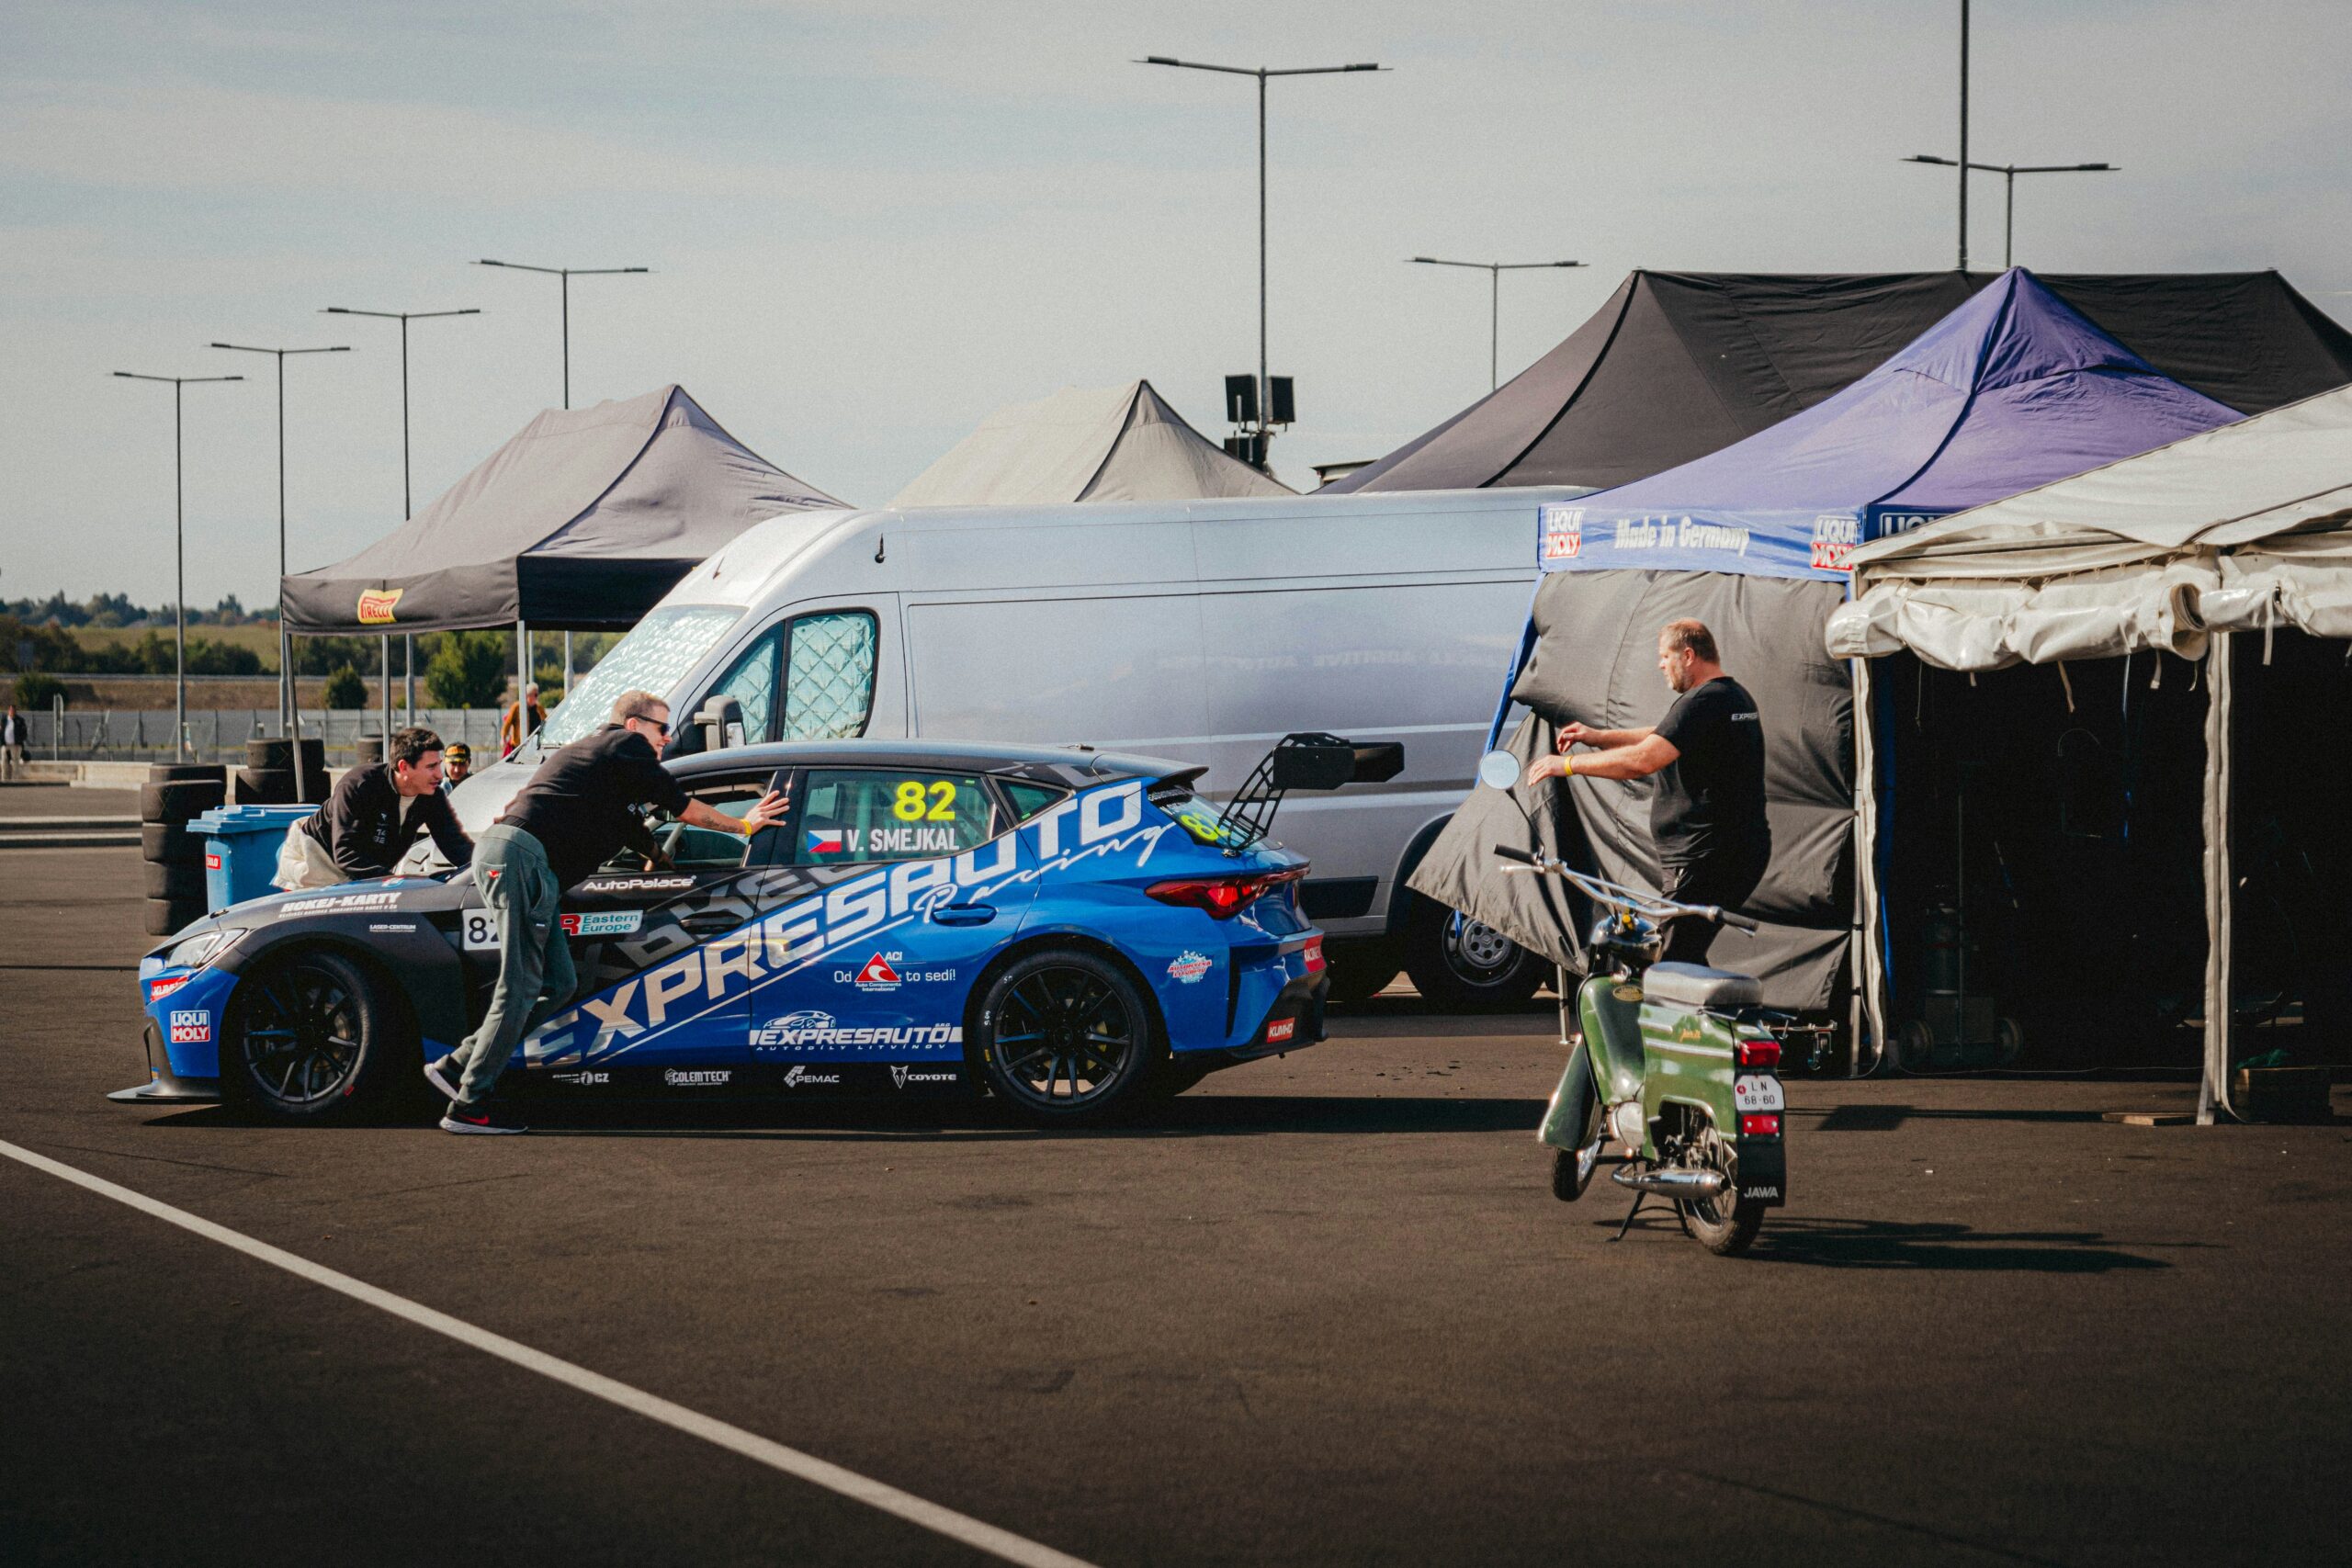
661, 724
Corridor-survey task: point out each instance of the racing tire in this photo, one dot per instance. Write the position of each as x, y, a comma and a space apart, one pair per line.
268, 751
176, 882
1359, 971
170, 843
165, 916
1064, 1038
368, 750
1474, 966
185, 772
180, 799
264, 786
307, 1037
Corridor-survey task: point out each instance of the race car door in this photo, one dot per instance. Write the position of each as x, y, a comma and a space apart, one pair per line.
909, 884
666, 957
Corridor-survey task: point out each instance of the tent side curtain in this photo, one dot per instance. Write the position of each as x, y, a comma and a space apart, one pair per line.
1596, 662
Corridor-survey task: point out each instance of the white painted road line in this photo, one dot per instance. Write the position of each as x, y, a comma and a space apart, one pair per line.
776, 1455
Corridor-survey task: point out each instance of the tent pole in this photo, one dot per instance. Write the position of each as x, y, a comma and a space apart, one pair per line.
385, 687
2214, 1090
522, 682
1867, 964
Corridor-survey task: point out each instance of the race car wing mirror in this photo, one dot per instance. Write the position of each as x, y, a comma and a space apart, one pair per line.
1499, 770
721, 722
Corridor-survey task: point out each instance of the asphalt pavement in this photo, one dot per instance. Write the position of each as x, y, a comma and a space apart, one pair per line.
1320, 1309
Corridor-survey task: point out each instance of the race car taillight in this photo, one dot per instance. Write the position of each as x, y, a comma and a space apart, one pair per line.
1757, 1052
1763, 1124
1221, 897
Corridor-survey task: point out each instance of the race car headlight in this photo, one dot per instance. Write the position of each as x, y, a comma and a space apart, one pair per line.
197, 949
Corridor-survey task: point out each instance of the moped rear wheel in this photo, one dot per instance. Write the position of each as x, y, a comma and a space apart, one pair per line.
1725, 1225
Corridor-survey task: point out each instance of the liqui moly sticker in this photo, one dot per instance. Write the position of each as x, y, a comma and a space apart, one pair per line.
1563, 531
191, 1027
1834, 538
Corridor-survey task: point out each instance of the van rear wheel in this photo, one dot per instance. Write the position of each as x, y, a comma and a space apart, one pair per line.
1465, 963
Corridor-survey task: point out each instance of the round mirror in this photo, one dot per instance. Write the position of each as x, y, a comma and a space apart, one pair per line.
1499, 770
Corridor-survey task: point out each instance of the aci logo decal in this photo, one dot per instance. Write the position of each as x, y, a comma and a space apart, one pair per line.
877, 976
193, 1027
1189, 967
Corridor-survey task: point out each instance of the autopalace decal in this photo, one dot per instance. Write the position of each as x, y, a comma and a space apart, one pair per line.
1107, 822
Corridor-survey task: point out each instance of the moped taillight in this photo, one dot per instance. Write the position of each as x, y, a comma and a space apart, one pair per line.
1761, 1125
1757, 1052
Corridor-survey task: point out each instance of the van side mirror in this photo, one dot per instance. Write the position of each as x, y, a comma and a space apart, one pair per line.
721, 722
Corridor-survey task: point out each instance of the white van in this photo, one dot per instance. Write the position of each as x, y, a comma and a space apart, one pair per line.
1202, 631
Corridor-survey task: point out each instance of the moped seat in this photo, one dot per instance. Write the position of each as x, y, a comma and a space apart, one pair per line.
1696, 986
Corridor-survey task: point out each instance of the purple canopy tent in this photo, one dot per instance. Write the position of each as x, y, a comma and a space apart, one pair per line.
2013, 389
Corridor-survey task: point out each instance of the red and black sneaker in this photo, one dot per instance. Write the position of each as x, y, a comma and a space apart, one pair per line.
482, 1118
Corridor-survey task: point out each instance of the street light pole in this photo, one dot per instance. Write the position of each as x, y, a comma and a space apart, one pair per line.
2009, 173
1265, 383
1495, 271
564, 275
1963, 137
408, 505
284, 643
179, 555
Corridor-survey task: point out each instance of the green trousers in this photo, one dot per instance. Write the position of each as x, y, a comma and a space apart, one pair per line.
534, 974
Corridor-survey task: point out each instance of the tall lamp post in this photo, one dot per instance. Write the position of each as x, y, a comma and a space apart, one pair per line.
563, 275
1495, 303
1265, 384
179, 555
408, 505
284, 643
2009, 172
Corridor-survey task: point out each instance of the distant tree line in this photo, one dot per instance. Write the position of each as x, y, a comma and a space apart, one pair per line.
116, 610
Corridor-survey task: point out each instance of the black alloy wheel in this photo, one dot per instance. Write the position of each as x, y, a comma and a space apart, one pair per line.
307, 1038
1064, 1037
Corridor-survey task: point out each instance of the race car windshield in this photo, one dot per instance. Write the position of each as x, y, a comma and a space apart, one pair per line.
1205, 822
654, 656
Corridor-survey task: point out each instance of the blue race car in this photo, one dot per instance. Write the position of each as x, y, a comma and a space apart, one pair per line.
1067, 929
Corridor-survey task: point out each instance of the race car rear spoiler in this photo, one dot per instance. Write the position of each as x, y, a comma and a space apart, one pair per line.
1308, 759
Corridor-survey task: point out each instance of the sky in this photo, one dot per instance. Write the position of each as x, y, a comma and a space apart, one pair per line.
869, 224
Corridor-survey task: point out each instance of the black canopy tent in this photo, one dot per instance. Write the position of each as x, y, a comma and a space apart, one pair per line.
1678, 364
580, 523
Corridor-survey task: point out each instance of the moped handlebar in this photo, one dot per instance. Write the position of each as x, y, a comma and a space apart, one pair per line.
1649, 905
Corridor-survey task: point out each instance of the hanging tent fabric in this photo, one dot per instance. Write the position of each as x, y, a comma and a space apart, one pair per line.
1085, 443
582, 522
1678, 365
2242, 528
2013, 389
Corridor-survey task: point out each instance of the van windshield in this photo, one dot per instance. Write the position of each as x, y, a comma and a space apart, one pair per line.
655, 656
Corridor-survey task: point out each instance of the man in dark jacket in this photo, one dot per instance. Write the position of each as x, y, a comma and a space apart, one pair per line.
373, 818
579, 810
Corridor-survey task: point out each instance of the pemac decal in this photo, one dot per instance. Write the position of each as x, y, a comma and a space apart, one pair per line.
1107, 821
799, 1076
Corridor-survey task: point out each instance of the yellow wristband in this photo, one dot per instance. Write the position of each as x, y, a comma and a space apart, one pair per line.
1567, 764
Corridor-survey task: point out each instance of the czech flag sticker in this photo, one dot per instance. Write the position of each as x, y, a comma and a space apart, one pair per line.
826, 841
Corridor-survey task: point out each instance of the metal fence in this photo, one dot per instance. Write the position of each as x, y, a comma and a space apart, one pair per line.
218, 735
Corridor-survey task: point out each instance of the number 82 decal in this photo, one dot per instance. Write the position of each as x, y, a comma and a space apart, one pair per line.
916, 802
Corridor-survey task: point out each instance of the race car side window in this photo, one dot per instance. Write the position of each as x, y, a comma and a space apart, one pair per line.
1028, 799
703, 849
856, 816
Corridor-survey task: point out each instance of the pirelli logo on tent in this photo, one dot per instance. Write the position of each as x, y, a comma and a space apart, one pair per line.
376, 605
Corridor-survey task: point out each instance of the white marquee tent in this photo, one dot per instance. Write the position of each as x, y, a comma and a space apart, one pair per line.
1084, 444
2247, 527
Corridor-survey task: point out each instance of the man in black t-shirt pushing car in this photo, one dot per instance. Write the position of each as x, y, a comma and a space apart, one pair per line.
577, 811
1708, 756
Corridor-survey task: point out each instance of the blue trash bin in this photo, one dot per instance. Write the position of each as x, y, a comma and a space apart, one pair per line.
241, 844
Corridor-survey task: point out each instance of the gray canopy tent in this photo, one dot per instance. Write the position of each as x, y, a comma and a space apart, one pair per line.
2244, 528
1085, 443
582, 522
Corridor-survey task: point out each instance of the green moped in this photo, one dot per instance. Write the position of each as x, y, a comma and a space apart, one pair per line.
1680, 1062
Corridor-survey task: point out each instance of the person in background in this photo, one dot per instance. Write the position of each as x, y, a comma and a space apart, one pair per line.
579, 809
373, 817
1707, 815
457, 762
522, 721
15, 736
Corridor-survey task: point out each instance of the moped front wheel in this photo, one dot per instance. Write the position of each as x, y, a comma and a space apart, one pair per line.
1579, 1101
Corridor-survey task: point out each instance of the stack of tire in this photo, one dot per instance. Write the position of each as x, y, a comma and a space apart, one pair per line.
176, 793
268, 776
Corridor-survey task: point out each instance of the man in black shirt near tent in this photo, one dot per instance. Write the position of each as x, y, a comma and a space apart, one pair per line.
1707, 753
577, 811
